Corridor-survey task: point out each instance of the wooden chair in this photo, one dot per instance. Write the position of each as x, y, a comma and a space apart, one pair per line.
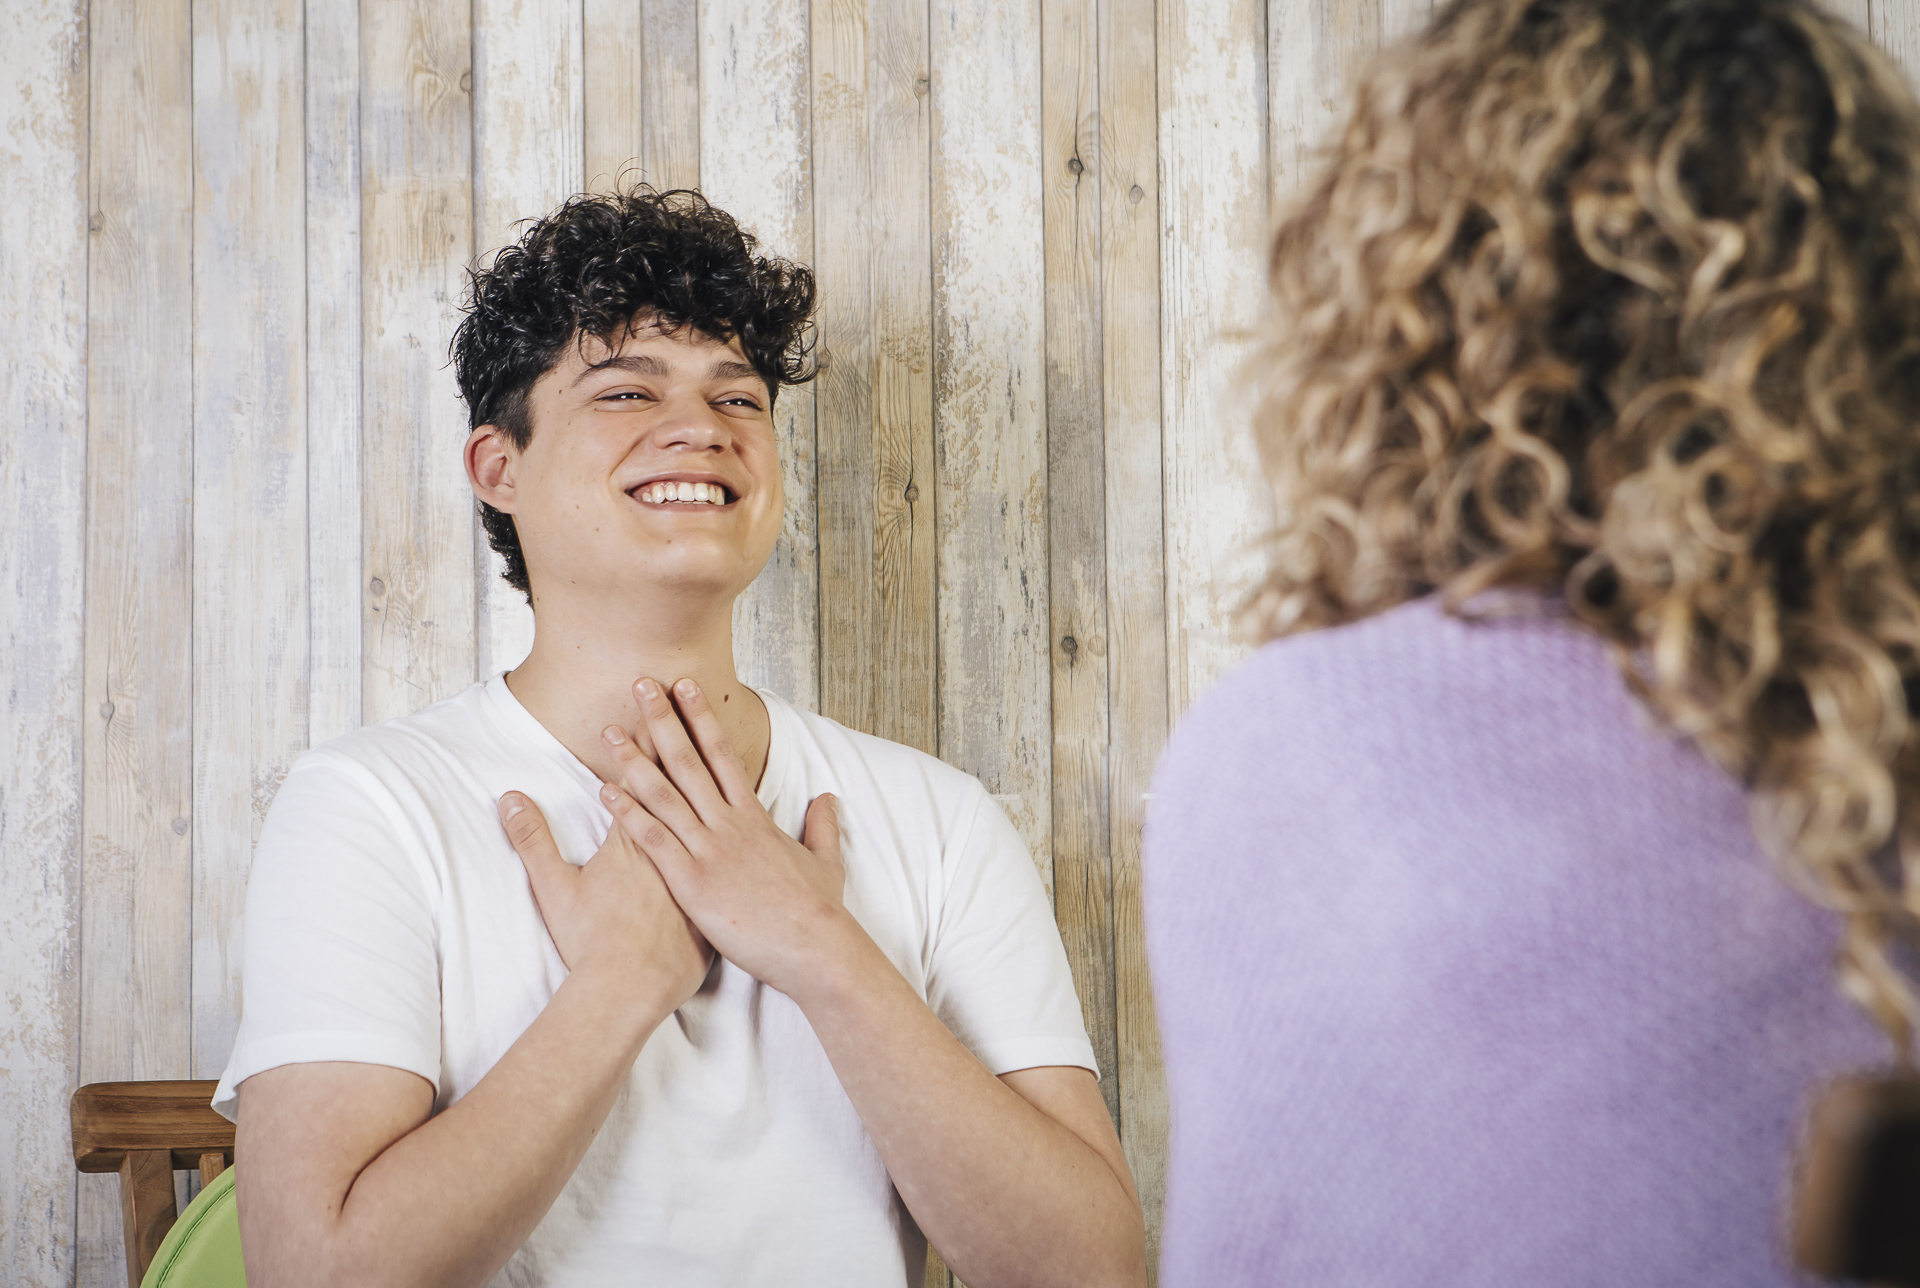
146, 1131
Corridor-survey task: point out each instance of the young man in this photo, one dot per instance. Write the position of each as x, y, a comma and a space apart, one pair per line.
540, 984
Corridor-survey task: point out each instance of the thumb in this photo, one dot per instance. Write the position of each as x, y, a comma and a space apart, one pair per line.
532, 840
821, 834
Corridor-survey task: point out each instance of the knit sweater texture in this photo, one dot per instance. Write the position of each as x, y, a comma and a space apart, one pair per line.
1466, 975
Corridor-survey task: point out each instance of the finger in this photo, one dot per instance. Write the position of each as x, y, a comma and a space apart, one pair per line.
821, 832
655, 839
679, 758
710, 737
645, 782
526, 827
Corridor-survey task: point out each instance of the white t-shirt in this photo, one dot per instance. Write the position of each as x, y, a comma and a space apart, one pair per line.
390, 922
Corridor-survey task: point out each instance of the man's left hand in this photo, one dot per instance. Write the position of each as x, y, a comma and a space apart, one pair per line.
763, 900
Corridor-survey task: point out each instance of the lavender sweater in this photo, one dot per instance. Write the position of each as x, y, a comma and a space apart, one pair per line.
1465, 978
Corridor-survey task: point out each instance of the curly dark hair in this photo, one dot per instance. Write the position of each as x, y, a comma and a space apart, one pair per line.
1622, 298
591, 269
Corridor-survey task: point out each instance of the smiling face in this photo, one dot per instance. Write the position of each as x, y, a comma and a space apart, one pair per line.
650, 468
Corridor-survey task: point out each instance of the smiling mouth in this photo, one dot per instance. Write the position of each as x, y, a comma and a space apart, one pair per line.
682, 495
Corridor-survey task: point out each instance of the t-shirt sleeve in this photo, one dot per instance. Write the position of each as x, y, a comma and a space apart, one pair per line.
339, 957
999, 977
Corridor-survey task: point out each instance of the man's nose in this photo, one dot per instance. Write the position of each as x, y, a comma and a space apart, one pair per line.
692, 425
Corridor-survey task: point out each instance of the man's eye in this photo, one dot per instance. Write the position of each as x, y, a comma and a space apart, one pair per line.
623, 395
740, 400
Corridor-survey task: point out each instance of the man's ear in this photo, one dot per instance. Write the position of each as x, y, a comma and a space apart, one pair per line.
490, 461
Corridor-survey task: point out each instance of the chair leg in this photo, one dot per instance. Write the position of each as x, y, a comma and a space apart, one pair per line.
211, 1165
146, 1207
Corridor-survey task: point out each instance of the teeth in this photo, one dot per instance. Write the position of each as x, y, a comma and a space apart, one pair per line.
663, 493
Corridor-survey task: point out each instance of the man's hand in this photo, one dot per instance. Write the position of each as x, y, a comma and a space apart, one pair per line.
612, 915
761, 898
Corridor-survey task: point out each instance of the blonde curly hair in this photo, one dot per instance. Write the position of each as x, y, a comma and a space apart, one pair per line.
1621, 299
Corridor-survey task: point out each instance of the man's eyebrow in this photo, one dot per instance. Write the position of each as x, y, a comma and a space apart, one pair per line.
728, 370
640, 364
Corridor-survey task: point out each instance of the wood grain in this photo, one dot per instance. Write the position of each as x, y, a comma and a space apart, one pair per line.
989, 407
1857, 12
756, 163
250, 643
610, 66
872, 250
136, 959
336, 592
530, 152
1136, 610
1213, 162
1401, 18
416, 229
1071, 170
43, 400
669, 153
1896, 29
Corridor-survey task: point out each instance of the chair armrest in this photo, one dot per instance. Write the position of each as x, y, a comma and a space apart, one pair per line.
112, 1118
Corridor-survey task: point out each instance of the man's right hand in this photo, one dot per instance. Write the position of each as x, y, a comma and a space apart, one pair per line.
612, 915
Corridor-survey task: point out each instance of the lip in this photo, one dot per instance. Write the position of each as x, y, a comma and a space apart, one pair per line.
682, 476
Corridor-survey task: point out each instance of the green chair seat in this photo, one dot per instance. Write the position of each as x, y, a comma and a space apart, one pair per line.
203, 1248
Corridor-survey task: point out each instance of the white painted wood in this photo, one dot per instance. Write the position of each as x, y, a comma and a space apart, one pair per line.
1896, 29
250, 641
1313, 53
136, 910
669, 155
417, 236
756, 137
1402, 18
611, 68
43, 404
335, 588
989, 323
1213, 161
1135, 550
1857, 12
530, 150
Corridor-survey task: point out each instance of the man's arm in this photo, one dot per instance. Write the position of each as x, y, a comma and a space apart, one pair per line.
1014, 1180
342, 1176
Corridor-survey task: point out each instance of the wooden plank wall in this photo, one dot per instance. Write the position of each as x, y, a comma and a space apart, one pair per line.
232, 517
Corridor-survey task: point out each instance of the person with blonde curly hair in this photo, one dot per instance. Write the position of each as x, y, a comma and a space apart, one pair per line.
1496, 904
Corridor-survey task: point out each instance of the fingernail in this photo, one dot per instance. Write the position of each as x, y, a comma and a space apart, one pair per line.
510, 804
608, 793
687, 688
613, 734
647, 688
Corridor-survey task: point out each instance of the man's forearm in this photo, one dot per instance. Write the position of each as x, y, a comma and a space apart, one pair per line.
448, 1202
1008, 1194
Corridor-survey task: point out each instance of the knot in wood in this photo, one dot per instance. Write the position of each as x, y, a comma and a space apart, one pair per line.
377, 586
1135, 193
913, 493
1070, 646
1075, 167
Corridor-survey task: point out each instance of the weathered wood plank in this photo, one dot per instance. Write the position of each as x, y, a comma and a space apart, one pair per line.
1136, 639
250, 643
1895, 27
1400, 18
336, 592
1071, 169
136, 987
1312, 52
529, 143
872, 249
756, 162
990, 389
1857, 12
43, 494
1213, 160
670, 93
417, 236
610, 66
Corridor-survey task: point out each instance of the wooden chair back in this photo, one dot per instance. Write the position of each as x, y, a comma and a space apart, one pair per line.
146, 1131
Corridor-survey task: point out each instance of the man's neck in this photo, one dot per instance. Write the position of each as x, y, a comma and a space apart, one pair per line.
579, 678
